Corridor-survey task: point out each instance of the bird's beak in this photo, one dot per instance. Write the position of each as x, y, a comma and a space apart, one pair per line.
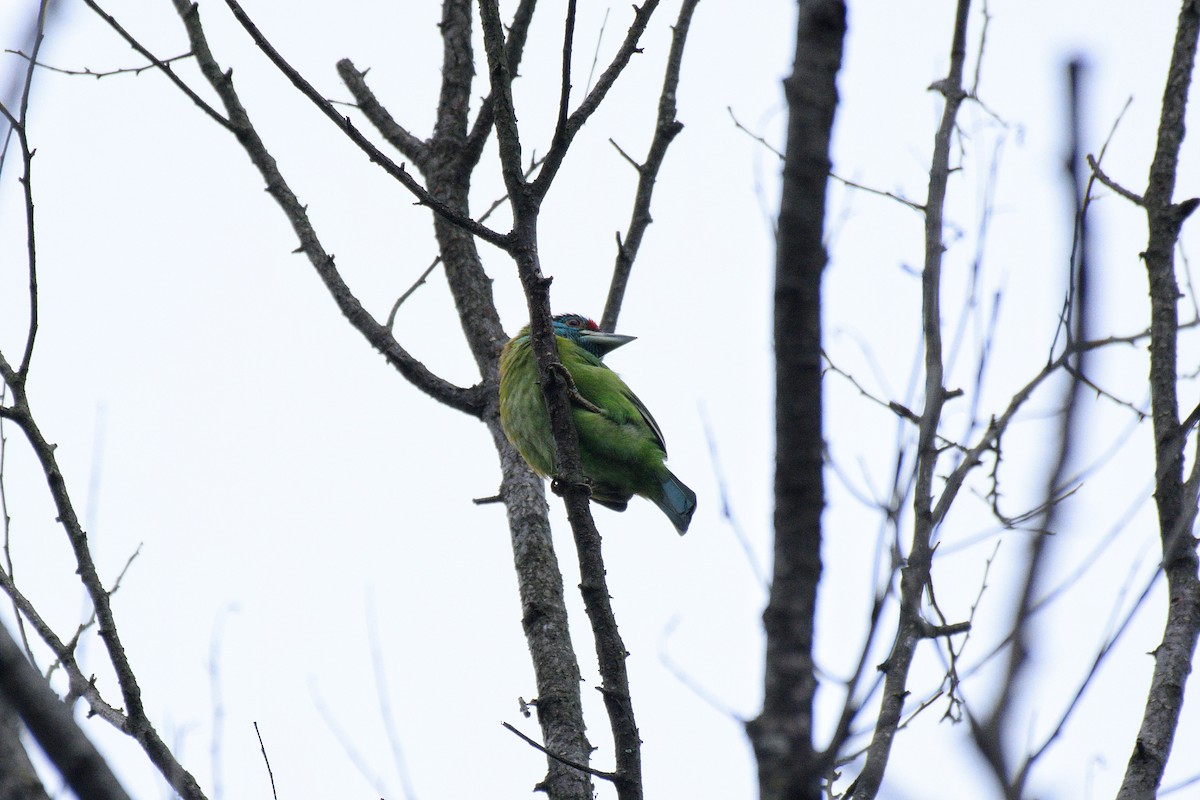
602, 343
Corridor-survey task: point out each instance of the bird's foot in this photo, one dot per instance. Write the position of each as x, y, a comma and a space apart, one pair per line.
559, 487
572, 390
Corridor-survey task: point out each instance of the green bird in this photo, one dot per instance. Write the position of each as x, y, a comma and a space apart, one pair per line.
620, 445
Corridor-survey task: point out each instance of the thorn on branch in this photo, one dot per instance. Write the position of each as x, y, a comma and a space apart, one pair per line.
1186, 208
483, 501
948, 88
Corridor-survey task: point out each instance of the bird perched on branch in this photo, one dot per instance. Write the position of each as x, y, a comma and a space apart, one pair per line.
620, 445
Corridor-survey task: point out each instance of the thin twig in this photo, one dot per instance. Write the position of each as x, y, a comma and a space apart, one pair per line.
86, 72
904, 201
79, 685
162, 65
1100, 174
6, 519
758, 137
608, 776
346, 741
419, 282
267, 761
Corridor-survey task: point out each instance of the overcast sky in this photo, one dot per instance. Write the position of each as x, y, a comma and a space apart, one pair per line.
302, 513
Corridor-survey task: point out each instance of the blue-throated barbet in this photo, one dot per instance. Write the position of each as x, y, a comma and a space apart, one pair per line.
620, 445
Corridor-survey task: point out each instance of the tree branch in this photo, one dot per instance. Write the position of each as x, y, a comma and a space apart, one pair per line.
991, 731
50, 721
665, 130
566, 134
137, 724
789, 767
518, 31
469, 401
915, 576
396, 134
1176, 508
610, 650
162, 65
376, 155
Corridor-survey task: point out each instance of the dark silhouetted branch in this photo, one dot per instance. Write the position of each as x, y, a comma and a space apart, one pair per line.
789, 766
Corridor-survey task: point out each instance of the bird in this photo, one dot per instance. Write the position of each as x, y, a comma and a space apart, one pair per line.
621, 447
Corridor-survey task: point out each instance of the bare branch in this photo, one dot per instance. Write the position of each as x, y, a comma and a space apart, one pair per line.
377, 156
1176, 503
413, 148
915, 576
608, 776
514, 49
789, 766
665, 131
566, 134
469, 401
136, 724
162, 65
610, 649
420, 281
1100, 174
266, 761
51, 723
78, 684
758, 137
17, 125
558, 141
86, 72
904, 201
505, 115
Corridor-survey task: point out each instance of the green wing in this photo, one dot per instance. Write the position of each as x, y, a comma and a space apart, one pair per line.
604, 388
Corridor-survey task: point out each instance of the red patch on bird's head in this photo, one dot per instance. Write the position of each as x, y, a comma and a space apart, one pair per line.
577, 321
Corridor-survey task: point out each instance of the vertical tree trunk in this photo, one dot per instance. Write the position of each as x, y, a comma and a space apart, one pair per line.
788, 766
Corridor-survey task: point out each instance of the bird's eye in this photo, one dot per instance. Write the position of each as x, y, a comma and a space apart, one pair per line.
574, 322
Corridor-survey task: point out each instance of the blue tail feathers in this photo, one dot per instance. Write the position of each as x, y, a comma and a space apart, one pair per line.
678, 502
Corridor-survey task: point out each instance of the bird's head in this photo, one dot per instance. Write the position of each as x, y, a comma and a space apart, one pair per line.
587, 334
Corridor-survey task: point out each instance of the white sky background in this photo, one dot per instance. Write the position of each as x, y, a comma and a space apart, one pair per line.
211, 405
